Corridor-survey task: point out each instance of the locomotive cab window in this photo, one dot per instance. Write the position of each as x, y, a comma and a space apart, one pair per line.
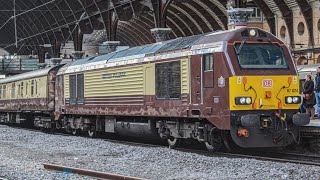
260, 56
208, 62
168, 80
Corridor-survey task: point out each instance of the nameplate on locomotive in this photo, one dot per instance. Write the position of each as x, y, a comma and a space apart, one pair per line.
114, 75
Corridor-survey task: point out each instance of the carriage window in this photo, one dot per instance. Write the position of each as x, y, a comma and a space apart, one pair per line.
36, 88
32, 88
168, 80
26, 89
21, 89
208, 62
18, 89
13, 90
260, 56
4, 91
0, 91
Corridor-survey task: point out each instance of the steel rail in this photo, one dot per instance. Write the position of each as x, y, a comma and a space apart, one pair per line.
271, 156
86, 172
274, 159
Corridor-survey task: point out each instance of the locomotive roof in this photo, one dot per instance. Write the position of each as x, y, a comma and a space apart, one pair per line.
179, 47
141, 51
27, 75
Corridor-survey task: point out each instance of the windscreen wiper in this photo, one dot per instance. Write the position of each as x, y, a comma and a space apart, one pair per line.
241, 45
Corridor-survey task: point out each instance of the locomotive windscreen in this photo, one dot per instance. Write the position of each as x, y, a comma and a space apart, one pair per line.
260, 56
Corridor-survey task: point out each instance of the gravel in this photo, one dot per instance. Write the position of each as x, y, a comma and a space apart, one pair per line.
23, 152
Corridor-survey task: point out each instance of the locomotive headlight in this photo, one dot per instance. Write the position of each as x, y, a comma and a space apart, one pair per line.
243, 100
248, 100
252, 32
293, 99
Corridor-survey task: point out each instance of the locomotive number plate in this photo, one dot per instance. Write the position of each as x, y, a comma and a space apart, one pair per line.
267, 83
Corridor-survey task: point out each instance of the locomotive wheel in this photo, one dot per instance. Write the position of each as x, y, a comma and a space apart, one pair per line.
48, 130
314, 145
214, 142
91, 133
173, 142
229, 144
74, 131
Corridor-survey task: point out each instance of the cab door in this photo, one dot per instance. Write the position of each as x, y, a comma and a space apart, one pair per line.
196, 80
207, 60
59, 97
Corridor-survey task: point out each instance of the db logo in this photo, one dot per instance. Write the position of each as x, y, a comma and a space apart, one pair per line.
267, 83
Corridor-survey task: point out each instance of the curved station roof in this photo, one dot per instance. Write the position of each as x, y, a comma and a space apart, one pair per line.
40, 22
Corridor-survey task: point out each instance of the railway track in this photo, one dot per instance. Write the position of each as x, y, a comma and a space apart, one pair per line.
86, 172
259, 155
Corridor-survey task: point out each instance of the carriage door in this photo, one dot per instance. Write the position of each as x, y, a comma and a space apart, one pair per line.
196, 79
59, 104
207, 60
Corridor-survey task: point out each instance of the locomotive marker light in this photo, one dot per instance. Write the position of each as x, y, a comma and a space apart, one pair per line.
296, 100
252, 32
293, 99
268, 94
243, 100
248, 100
244, 80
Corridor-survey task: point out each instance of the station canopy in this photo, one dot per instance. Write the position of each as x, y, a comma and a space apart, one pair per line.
50, 24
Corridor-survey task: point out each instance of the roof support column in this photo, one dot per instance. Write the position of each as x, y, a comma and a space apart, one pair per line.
160, 32
306, 10
111, 24
41, 55
160, 12
268, 14
77, 42
288, 18
56, 49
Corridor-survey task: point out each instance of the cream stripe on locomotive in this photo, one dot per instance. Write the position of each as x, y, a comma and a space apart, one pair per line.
133, 80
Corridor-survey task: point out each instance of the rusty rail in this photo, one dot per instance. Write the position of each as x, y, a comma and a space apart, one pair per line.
87, 172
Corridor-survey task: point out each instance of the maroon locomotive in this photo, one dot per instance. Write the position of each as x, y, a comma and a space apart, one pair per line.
236, 86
